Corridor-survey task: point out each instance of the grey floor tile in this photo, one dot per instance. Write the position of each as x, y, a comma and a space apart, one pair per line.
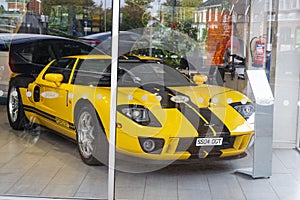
32, 188
53, 159
60, 190
278, 166
289, 157
64, 177
13, 147
34, 181
295, 173
284, 180
6, 157
161, 186
225, 186
256, 188
194, 194
91, 195
5, 185
287, 193
158, 180
5, 136
261, 196
129, 179
94, 184
129, 192
23, 161
286, 186
193, 182
11, 175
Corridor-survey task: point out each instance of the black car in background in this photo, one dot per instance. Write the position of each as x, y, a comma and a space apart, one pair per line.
27, 54
103, 41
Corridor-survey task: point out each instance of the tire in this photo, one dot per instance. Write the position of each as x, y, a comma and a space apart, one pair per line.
87, 126
15, 111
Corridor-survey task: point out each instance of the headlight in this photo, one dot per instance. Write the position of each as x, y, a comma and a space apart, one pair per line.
246, 110
136, 114
139, 114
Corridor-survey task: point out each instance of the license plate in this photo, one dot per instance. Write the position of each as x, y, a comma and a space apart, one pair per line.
209, 141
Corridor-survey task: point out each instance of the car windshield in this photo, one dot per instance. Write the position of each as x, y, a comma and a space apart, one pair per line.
145, 73
98, 72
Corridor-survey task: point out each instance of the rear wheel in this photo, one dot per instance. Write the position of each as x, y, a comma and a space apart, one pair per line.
15, 110
87, 126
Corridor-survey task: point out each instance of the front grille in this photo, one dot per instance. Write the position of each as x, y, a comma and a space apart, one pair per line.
189, 144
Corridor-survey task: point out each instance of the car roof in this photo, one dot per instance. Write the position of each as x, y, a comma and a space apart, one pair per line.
123, 58
93, 56
106, 34
29, 37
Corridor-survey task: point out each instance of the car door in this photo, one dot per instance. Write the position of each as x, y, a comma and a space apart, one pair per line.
52, 98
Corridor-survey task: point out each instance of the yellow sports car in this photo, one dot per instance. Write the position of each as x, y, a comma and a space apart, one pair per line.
161, 114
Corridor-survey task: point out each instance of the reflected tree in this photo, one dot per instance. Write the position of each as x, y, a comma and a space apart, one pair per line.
47, 4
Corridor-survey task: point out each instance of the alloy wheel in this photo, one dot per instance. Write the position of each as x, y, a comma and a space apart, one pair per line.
85, 131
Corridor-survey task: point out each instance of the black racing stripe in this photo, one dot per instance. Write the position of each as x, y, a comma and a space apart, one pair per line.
47, 116
39, 112
189, 110
162, 91
217, 124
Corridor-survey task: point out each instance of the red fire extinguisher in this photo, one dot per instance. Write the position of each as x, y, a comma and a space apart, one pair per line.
258, 57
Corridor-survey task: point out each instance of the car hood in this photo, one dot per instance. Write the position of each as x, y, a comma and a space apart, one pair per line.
168, 97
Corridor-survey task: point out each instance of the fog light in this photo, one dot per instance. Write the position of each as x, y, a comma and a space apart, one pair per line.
149, 145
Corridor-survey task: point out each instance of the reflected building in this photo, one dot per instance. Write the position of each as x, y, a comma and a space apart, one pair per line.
22, 16
289, 25
213, 22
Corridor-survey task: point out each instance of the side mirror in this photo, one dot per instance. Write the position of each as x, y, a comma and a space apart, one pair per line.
199, 79
55, 78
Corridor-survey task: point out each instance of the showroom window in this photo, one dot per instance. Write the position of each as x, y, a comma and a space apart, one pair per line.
146, 99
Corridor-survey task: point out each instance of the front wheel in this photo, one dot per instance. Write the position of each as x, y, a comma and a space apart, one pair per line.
87, 126
15, 110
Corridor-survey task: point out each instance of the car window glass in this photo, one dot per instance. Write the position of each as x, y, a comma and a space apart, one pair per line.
126, 37
3, 45
40, 53
43, 54
92, 72
26, 53
62, 66
93, 65
152, 73
68, 48
133, 37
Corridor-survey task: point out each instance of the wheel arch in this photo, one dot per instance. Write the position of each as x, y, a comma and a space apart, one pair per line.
79, 104
83, 102
21, 80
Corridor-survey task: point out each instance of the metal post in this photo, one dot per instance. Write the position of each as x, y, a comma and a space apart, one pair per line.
262, 151
113, 99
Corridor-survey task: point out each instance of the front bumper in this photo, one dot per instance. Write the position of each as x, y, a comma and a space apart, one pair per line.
184, 148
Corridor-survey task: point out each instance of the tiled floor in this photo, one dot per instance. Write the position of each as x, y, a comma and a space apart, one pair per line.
48, 166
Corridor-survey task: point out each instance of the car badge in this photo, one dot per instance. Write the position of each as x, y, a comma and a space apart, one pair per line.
50, 95
209, 124
180, 99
